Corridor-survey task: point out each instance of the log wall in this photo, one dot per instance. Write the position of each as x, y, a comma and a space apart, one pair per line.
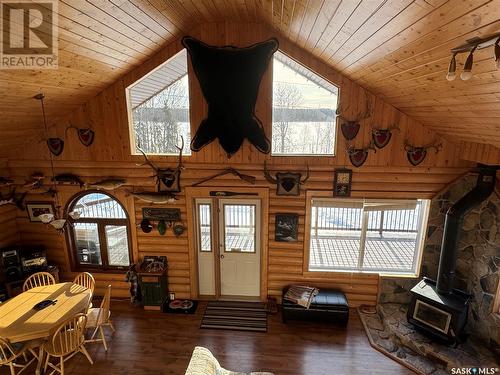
386, 173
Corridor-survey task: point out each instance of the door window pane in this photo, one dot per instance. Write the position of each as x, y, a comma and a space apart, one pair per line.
239, 228
205, 229
117, 241
87, 243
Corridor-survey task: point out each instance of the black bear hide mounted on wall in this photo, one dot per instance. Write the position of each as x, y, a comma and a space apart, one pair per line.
229, 78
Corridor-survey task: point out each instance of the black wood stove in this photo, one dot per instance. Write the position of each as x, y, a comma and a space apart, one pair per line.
436, 307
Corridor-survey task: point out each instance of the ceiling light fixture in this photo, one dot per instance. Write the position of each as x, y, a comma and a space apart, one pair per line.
467, 72
497, 54
51, 219
452, 68
470, 47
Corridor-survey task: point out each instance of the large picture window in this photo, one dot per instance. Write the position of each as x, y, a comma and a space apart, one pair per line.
100, 237
383, 236
159, 109
304, 106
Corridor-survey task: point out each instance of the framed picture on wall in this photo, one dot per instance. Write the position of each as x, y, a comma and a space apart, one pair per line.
35, 209
342, 182
286, 228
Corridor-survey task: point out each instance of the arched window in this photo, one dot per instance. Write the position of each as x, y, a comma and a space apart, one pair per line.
100, 238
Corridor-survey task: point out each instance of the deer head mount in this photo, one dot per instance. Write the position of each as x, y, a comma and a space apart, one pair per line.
287, 183
417, 154
358, 156
350, 126
170, 178
381, 137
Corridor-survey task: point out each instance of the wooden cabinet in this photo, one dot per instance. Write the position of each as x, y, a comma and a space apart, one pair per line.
154, 288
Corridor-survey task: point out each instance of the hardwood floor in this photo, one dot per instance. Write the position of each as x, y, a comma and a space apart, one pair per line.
158, 343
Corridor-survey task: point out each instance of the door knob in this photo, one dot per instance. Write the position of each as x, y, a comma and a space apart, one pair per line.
222, 256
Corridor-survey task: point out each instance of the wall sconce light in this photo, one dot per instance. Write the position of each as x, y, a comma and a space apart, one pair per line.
470, 47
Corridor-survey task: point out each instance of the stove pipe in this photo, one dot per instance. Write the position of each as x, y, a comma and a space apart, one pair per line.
453, 224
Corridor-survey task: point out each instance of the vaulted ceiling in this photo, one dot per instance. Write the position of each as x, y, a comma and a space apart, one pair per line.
399, 49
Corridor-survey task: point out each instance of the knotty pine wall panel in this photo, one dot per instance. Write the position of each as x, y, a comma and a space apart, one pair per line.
9, 233
387, 173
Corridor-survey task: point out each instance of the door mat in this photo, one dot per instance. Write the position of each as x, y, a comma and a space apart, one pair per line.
238, 316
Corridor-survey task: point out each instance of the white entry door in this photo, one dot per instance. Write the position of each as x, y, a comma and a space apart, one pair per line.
239, 247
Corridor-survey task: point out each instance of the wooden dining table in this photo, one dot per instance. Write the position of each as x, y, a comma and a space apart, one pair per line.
19, 321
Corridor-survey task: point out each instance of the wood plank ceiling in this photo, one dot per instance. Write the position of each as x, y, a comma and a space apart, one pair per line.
399, 49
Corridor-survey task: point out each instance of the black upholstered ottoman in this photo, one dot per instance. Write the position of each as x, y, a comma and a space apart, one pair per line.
328, 306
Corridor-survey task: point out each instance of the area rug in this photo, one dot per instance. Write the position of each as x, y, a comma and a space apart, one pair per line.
238, 316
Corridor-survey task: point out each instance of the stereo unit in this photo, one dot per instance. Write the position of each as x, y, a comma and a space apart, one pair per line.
10, 258
33, 260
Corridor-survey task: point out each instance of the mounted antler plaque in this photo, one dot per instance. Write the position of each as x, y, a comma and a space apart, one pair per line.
350, 127
170, 178
416, 155
55, 145
287, 183
381, 137
358, 156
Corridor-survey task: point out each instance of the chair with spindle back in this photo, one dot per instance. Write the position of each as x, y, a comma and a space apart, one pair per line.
87, 281
98, 318
38, 279
9, 353
67, 341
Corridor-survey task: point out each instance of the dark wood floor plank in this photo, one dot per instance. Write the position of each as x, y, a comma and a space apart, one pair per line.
157, 343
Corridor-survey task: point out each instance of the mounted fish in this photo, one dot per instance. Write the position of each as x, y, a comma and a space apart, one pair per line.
6, 181
158, 197
14, 199
416, 155
350, 127
85, 135
381, 137
107, 184
35, 181
68, 179
287, 183
169, 177
358, 156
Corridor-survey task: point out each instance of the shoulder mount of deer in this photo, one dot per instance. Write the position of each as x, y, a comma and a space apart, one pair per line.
350, 126
287, 183
358, 156
169, 178
381, 137
417, 154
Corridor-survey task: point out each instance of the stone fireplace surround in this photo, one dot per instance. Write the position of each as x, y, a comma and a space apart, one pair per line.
478, 263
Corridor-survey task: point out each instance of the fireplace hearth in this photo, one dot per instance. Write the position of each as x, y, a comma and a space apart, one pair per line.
436, 307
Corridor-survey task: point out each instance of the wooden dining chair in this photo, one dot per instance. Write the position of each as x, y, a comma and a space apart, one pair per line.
98, 318
10, 353
38, 279
86, 280
67, 341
